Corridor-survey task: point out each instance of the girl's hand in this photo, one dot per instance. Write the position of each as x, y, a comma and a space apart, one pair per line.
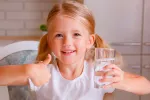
117, 77
39, 73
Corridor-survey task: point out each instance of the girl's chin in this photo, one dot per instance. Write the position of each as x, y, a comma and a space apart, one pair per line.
67, 61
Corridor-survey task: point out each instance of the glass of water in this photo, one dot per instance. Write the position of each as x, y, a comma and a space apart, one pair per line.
103, 57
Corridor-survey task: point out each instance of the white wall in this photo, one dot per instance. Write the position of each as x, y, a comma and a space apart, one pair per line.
23, 17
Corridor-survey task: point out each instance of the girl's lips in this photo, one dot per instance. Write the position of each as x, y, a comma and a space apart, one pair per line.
68, 52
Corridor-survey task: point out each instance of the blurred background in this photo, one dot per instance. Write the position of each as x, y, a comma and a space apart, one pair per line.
125, 24
21, 19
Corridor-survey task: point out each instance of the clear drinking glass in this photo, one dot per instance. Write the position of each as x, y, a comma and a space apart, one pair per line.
103, 57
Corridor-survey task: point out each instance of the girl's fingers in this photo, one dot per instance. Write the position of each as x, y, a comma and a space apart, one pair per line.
111, 66
112, 85
113, 73
113, 79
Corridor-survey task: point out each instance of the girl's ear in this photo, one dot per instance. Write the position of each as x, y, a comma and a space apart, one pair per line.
91, 41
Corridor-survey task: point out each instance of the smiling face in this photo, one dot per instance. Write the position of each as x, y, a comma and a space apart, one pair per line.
68, 39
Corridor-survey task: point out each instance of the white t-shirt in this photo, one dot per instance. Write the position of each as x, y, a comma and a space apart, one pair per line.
59, 88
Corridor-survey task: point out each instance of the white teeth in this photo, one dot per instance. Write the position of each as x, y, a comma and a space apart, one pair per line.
68, 51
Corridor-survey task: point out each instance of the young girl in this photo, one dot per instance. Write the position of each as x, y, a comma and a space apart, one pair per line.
71, 36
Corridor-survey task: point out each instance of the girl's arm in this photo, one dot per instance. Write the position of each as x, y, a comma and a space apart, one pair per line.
14, 75
125, 81
19, 74
135, 84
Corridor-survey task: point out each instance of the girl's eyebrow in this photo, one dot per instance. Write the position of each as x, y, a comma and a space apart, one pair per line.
57, 31
76, 30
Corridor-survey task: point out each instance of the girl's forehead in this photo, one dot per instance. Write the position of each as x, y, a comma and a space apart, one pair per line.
66, 23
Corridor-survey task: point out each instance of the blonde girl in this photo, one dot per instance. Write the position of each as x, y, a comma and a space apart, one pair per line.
69, 76
71, 36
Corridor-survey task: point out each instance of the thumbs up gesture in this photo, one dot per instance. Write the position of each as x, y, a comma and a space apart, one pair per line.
39, 73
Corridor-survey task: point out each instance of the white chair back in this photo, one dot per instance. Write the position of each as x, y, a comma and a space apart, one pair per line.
10, 49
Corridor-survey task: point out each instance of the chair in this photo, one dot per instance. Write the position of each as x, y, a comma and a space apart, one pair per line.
18, 53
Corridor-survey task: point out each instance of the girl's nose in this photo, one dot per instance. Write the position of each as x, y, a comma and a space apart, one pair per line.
66, 45
67, 42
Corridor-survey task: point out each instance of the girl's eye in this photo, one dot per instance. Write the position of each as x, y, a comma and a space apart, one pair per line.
77, 34
59, 35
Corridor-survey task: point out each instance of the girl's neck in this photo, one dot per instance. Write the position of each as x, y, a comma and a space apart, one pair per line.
71, 71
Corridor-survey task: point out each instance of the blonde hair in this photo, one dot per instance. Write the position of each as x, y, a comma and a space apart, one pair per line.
77, 11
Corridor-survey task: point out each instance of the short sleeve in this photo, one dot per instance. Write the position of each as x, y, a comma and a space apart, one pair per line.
32, 86
109, 90
33, 89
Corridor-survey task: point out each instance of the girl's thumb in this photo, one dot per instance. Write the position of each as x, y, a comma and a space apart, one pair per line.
47, 60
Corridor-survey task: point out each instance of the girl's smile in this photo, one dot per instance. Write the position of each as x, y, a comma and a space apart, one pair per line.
68, 52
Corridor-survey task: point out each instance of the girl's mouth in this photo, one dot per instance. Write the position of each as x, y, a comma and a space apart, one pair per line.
68, 52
